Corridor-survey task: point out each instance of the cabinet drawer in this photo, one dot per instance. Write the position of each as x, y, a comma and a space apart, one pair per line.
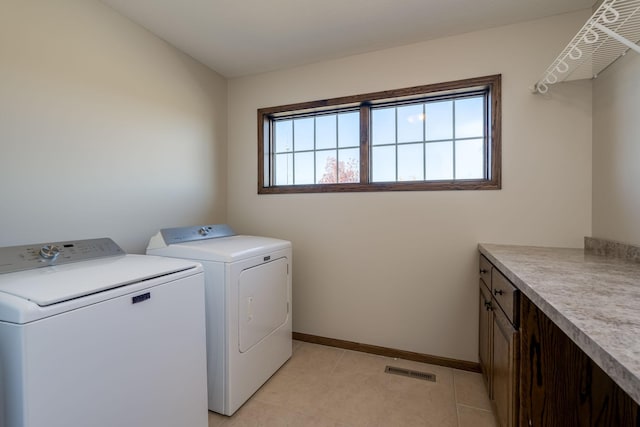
506, 295
485, 271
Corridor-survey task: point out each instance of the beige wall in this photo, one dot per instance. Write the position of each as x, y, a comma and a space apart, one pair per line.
616, 151
104, 129
398, 269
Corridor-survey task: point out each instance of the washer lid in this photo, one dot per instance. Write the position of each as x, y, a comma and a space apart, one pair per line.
51, 285
223, 249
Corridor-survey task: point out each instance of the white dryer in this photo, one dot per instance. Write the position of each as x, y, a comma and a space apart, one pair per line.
91, 336
248, 306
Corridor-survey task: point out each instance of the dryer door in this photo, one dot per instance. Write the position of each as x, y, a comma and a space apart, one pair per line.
262, 299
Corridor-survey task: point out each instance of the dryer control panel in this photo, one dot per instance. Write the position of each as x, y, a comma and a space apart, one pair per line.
28, 257
198, 232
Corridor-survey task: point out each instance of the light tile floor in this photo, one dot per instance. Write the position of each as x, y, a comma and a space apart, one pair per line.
326, 386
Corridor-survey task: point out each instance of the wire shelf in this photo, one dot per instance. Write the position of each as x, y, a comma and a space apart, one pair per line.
611, 31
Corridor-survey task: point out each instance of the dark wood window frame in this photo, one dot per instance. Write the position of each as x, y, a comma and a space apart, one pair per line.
493, 150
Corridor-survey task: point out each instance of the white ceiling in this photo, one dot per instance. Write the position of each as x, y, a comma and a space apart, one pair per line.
242, 37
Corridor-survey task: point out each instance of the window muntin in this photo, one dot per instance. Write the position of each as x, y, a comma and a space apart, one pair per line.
436, 137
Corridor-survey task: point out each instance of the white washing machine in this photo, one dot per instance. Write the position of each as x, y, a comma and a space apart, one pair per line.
248, 306
91, 336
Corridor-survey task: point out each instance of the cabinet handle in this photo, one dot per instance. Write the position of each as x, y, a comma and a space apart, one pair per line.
483, 271
487, 305
498, 292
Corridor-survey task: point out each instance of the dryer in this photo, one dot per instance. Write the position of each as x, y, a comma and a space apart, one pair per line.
248, 306
92, 336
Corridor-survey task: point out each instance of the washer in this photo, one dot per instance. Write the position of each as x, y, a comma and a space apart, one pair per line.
248, 306
92, 336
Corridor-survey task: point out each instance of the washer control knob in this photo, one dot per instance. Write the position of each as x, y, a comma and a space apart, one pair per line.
49, 251
203, 231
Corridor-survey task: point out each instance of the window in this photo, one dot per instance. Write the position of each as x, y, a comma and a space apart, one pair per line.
436, 137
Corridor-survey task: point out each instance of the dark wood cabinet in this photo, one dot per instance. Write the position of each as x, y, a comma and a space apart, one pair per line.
560, 385
537, 376
499, 342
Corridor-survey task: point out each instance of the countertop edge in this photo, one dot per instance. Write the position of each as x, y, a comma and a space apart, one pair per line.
609, 364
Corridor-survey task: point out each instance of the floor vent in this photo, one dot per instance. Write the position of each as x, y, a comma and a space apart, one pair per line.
409, 373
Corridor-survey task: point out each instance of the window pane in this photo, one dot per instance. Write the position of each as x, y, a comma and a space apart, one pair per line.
439, 160
326, 131
470, 159
383, 126
439, 120
469, 118
304, 168
349, 129
284, 169
349, 165
410, 162
283, 136
303, 134
326, 167
410, 123
383, 164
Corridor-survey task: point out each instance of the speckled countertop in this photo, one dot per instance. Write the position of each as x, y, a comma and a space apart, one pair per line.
594, 299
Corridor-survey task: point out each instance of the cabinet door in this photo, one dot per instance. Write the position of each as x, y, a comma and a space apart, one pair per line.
560, 384
485, 335
505, 369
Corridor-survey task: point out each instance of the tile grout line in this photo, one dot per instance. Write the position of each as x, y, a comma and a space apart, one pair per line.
455, 396
474, 407
333, 369
335, 364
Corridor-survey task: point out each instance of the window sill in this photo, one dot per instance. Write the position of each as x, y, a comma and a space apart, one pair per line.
384, 186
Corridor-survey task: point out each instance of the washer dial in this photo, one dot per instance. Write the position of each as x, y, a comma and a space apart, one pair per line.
49, 251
